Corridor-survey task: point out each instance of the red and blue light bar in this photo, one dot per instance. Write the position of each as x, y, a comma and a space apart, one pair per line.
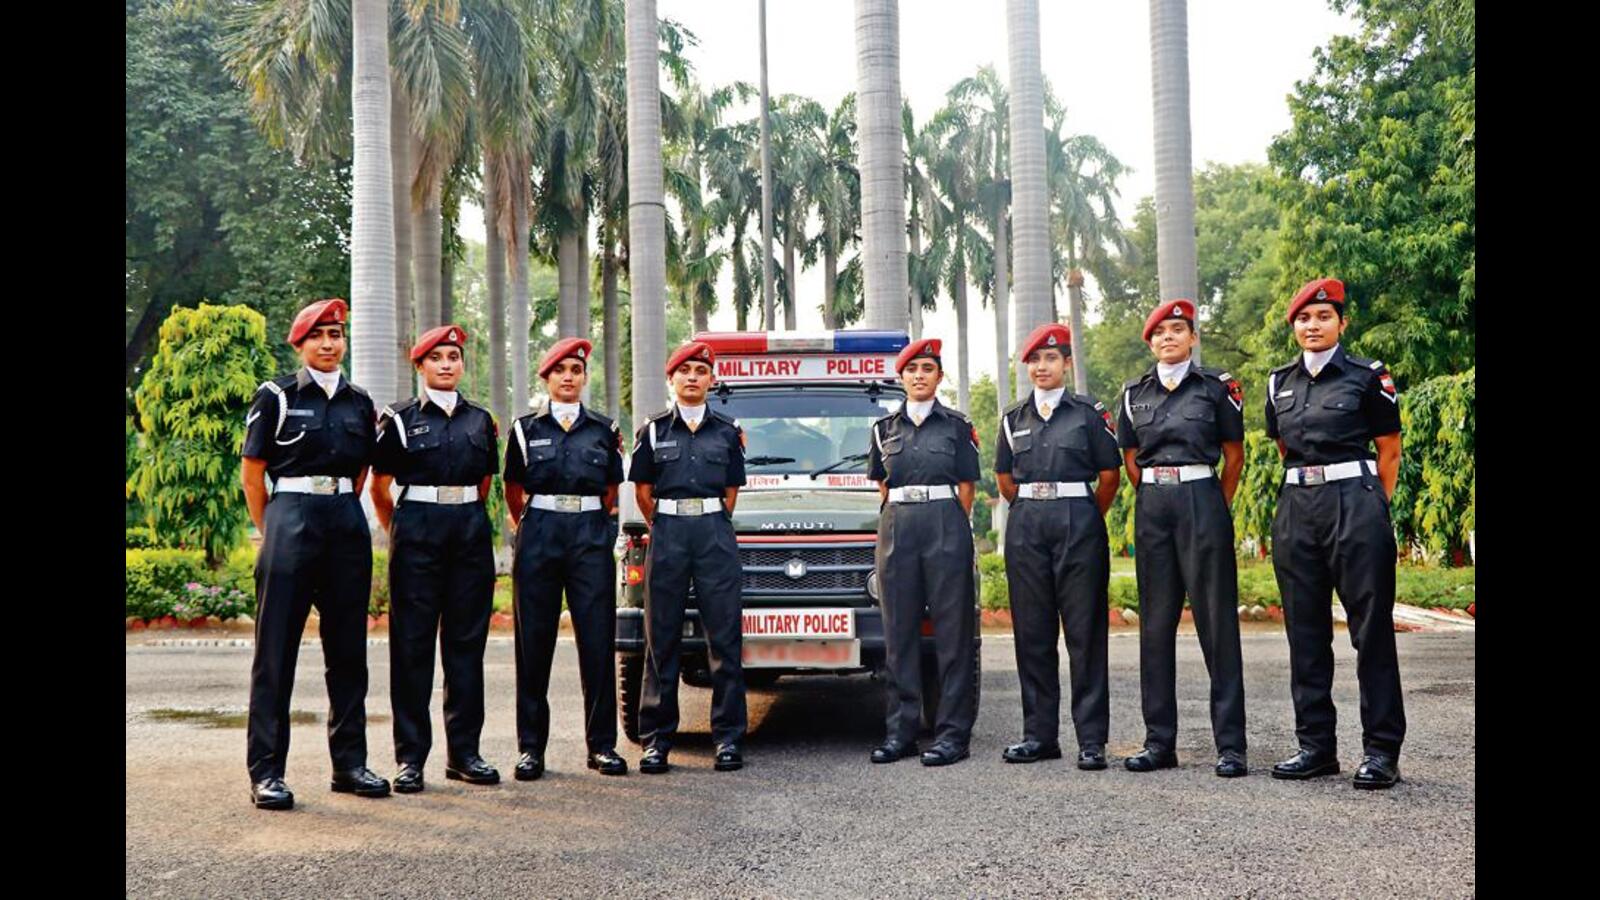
739, 343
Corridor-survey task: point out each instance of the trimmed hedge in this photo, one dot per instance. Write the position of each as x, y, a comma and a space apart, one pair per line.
155, 579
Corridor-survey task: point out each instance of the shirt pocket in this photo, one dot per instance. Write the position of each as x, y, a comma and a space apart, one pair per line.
541, 455
1073, 436
593, 457
1200, 412
295, 427
716, 456
1022, 441
666, 454
1341, 406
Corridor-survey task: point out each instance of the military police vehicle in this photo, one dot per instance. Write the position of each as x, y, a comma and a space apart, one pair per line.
806, 519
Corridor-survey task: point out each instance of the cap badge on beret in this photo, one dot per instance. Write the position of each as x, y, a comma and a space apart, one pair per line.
580, 354
1322, 293
1050, 341
451, 336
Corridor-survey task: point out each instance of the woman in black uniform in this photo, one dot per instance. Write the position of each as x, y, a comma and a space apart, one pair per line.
1176, 420
440, 447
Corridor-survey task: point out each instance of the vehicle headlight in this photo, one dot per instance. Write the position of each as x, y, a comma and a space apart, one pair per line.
872, 584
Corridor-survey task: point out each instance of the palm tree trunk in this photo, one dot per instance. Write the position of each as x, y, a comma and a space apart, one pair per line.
427, 235
1002, 298
741, 311
914, 293
567, 253
611, 326
647, 261
1029, 198
521, 304
447, 287
1169, 62
583, 288
372, 262
830, 274
400, 154
768, 303
1080, 371
495, 264
883, 209
963, 346
791, 276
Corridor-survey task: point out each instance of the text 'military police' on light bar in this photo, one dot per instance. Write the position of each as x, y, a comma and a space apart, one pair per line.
805, 355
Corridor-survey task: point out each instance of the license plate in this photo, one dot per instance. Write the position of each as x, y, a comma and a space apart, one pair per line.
802, 654
834, 623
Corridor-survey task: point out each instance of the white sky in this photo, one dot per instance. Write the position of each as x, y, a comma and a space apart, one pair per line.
1244, 57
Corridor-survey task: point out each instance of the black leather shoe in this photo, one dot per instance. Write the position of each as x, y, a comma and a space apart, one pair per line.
472, 770
943, 753
1091, 759
893, 751
654, 761
409, 779
1306, 765
729, 759
529, 767
1031, 751
1149, 760
608, 763
1377, 772
1231, 765
361, 781
271, 793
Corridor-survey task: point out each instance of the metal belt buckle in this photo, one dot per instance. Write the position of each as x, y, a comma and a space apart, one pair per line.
569, 503
916, 494
692, 507
1313, 474
1043, 490
452, 493
324, 484
1168, 475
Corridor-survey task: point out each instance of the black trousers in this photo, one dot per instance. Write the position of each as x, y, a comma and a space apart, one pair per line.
316, 551
1338, 536
702, 549
1184, 539
924, 560
566, 553
441, 588
1058, 569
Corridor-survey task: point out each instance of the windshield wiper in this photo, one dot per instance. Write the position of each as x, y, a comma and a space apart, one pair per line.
768, 460
854, 457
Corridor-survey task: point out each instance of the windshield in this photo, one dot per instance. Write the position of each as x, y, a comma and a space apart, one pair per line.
793, 432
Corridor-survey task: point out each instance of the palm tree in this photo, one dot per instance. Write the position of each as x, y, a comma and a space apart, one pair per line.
958, 170
883, 210
1029, 197
1083, 190
1169, 64
984, 108
832, 187
736, 198
647, 210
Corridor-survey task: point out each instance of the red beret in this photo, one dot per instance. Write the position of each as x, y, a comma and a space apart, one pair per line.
694, 350
572, 346
322, 312
1050, 334
1317, 290
1176, 308
444, 334
924, 347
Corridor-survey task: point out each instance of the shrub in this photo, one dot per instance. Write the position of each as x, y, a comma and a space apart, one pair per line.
154, 578
992, 590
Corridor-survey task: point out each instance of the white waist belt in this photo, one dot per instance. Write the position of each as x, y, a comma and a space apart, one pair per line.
313, 484
448, 493
1175, 474
695, 506
921, 493
567, 503
1051, 490
1309, 475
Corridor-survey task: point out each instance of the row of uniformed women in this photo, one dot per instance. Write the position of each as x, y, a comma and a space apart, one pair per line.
313, 433
1057, 461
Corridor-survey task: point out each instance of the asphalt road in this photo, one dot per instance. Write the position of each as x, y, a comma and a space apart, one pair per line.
808, 816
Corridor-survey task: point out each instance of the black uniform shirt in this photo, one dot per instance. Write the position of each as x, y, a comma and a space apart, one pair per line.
1185, 426
419, 444
1331, 418
942, 450
299, 430
544, 459
684, 464
1076, 444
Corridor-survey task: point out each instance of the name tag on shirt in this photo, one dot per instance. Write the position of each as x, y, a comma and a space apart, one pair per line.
541, 442
1139, 407
666, 443
1024, 431
301, 412
420, 429
1288, 393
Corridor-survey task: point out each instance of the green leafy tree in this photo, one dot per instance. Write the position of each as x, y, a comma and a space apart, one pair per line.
209, 363
211, 209
1434, 500
1377, 179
